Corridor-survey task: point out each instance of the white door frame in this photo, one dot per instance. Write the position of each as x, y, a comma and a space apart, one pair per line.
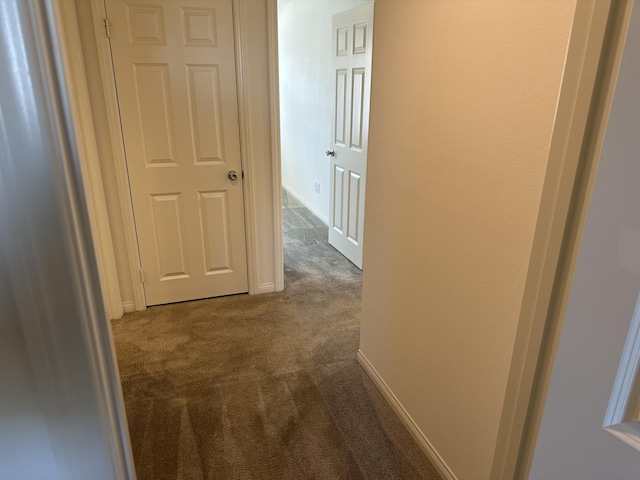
69, 38
254, 226
582, 111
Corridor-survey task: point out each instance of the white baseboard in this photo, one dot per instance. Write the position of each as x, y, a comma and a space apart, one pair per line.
128, 307
425, 445
306, 203
264, 288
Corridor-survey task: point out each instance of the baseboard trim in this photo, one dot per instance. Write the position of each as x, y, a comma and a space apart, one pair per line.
128, 307
306, 203
264, 288
423, 442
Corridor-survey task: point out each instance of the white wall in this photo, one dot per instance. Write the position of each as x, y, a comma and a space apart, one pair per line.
463, 105
571, 442
306, 95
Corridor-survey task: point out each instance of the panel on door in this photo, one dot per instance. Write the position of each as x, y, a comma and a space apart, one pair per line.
351, 67
174, 66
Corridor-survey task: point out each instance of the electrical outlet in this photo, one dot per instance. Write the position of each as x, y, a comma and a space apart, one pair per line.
316, 186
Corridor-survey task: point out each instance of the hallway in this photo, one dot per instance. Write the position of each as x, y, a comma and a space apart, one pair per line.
263, 386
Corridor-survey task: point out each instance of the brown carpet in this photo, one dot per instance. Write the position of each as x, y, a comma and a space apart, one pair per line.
264, 386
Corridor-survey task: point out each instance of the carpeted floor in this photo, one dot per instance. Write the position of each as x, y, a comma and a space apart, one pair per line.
265, 386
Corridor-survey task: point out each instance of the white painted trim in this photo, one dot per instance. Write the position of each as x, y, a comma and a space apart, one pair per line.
98, 10
128, 307
418, 435
254, 225
306, 203
540, 310
244, 122
88, 156
274, 96
264, 288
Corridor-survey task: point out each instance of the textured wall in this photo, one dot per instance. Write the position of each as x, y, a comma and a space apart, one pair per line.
463, 104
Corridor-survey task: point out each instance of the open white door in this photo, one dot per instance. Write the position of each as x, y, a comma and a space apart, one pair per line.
174, 67
351, 70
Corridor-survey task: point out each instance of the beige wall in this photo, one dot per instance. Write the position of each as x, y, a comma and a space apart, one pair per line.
463, 103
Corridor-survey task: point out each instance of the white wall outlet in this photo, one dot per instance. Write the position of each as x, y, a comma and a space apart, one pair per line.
316, 186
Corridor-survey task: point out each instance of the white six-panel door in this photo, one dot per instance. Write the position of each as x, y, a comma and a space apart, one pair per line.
175, 74
352, 43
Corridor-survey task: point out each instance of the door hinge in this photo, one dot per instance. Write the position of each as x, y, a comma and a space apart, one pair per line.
142, 275
107, 28
242, 172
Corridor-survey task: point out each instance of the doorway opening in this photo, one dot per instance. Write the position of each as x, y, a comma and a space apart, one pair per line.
324, 51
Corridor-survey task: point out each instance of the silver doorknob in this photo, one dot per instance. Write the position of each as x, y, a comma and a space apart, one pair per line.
233, 175
331, 153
